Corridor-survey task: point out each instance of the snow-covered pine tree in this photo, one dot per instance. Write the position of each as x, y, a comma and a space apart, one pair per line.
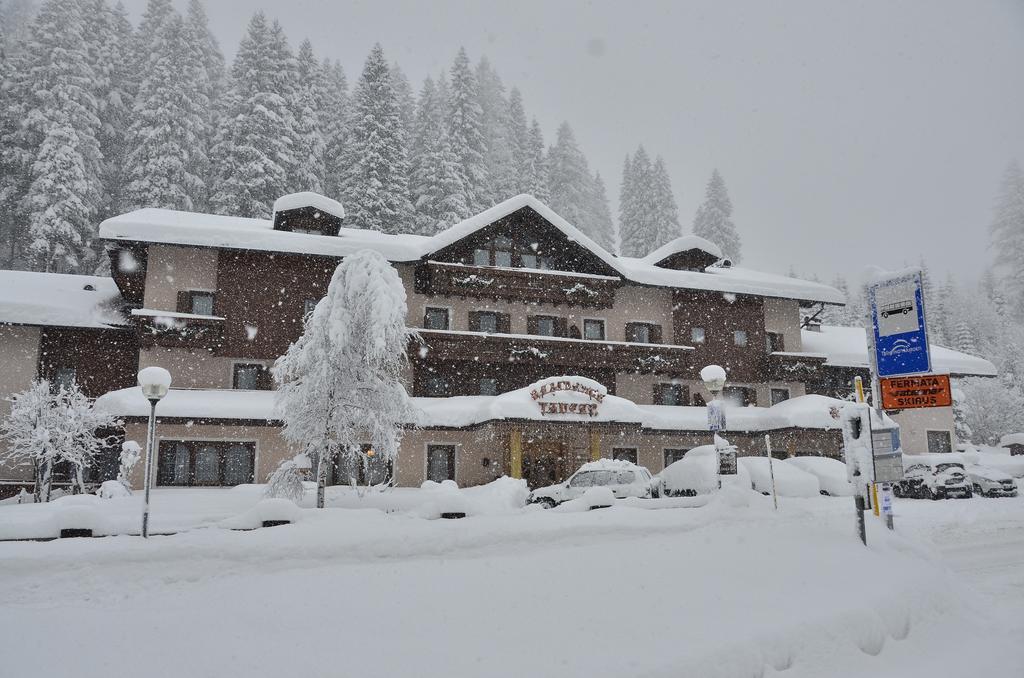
714, 218
571, 185
340, 384
56, 96
255, 151
110, 43
518, 140
168, 132
638, 210
665, 221
310, 104
435, 183
406, 98
965, 338
989, 410
376, 186
602, 225
465, 133
1007, 232
534, 175
498, 142
17, 146
335, 128
214, 85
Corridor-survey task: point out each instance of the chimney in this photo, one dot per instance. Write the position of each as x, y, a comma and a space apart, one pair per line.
308, 212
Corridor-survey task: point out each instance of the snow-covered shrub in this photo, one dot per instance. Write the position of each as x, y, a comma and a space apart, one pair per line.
988, 410
286, 481
131, 452
47, 425
113, 489
340, 383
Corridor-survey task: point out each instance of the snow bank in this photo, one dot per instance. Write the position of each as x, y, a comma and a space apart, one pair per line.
593, 498
697, 473
267, 509
790, 481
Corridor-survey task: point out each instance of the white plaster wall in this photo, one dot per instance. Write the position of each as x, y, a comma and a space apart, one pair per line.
915, 424
783, 317
19, 360
171, 269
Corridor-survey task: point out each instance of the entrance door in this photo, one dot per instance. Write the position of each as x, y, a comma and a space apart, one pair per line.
546, 462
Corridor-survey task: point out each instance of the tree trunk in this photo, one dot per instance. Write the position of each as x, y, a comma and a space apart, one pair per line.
48, 479
37, 481
321, 479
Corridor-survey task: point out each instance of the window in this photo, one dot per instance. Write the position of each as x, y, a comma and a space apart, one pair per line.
545, 326
624, 454
485, 321
779, 395
308, 306
697, 335
440, 462
775, 342
488, 386
482, 257
593, 330
505, 252
939, 442
643, 333
546, 263
502, 258
698, 400
436, 319
202, 303
673, 455
741, 396
528, 260
188, 463
64, 377
251, 377
435, 386
671, 394
358, 466
739, 337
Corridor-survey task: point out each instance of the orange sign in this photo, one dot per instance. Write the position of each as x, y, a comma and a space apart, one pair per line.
927, 390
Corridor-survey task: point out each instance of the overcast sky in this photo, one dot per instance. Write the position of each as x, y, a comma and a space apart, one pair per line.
848, 133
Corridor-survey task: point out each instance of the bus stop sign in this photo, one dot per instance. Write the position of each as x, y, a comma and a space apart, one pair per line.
898, 333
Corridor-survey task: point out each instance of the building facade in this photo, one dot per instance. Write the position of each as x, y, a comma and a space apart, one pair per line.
535, 349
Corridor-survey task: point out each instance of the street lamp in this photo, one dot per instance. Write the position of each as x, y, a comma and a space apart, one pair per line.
154, 382
713, 377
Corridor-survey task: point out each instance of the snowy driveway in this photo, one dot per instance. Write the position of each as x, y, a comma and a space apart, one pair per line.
716, 591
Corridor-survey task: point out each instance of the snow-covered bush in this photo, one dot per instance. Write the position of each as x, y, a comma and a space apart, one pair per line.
131, 452
113, 489
988, 410
340, 383
286, 481
47, 425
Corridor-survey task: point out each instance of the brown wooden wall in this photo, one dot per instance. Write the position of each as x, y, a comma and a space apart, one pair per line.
266, 291
720, 318
104, 360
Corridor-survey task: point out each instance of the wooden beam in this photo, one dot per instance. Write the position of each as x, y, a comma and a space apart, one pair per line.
595, 446
515, 445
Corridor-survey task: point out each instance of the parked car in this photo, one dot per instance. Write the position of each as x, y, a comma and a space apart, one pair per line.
623, 478
831, 474
924, 480
990, 482
696, 473
790, 481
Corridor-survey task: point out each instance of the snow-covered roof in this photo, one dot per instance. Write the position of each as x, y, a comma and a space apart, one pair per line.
211, 230
812, 411
214, 230
848, 347
59, 300
1011, 439
683, 244
294, 201
734, 280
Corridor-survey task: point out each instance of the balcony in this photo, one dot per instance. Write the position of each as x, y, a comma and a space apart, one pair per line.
518, 284
783, 366
451, 345
178, 330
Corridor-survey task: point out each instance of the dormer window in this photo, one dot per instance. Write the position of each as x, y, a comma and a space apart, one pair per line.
505, 252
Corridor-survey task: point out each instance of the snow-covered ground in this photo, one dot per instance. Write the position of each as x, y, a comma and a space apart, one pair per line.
718, 590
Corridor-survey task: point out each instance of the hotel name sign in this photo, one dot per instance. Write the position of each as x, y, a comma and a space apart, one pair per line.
547, 398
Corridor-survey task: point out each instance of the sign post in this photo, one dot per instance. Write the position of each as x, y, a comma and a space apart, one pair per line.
899, 350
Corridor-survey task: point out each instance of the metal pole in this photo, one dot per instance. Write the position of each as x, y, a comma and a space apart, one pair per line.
858, 499
771, 468
147, 480
861, 532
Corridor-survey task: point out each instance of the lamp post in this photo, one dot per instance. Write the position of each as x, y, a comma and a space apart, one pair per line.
713, 377
154, 382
